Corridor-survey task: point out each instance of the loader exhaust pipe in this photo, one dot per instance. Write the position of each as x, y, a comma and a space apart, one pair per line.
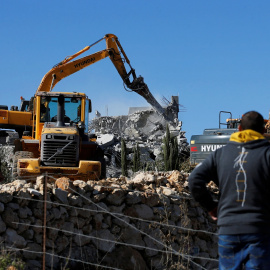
60, 111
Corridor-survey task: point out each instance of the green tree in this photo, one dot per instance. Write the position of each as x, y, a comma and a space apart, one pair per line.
174, 158
136, 158
166, 149
124, 158
170, 151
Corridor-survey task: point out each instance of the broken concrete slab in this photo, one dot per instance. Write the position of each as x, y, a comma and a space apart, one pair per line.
105, 140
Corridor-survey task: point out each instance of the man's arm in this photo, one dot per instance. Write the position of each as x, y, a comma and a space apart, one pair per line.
213, 213
200, 176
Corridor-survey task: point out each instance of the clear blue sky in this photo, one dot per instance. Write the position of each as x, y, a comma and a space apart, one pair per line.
214, 54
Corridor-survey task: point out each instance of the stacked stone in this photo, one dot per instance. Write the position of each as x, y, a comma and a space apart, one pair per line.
148, 222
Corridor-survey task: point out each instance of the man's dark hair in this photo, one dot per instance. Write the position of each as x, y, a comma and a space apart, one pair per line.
253, 120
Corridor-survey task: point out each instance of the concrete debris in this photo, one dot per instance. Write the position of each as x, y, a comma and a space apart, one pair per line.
34, 192
143, 127
8, 136
6, 162
105, 140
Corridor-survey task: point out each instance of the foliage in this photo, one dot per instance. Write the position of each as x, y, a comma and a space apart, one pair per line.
136, 158
9, 261
170, 152
185, 166
166, 149
174, 159
124, 158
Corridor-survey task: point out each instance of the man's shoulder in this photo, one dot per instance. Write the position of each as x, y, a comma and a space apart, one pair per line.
250, 144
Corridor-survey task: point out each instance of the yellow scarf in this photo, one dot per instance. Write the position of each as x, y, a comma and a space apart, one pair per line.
246, 136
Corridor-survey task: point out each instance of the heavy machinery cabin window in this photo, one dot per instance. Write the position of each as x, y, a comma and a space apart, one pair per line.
48, 109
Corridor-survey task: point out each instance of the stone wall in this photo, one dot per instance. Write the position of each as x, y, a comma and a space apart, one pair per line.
148, 222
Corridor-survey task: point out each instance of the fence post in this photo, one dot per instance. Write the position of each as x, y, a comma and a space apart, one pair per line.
44, 219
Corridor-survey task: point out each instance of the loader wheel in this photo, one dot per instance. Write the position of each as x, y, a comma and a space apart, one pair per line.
19, 155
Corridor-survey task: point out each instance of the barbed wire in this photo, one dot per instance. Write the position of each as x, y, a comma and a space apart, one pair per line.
130, 225
61, 257
121, 215
173, 252
100, 209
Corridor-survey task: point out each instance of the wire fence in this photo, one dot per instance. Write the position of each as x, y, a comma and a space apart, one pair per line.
162, 247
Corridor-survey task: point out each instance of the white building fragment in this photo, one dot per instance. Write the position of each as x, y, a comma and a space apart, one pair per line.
142, 126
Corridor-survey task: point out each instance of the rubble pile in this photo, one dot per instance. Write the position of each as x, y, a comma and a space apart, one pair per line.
149, 222
6, 160
145, 128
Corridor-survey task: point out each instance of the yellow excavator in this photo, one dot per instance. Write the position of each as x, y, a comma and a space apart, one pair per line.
58, 143
21, 119
17, 118
118, 57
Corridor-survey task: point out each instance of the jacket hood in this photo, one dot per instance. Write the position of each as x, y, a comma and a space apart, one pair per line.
246, 136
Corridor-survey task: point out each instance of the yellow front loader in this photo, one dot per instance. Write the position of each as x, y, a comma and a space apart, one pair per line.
59, 144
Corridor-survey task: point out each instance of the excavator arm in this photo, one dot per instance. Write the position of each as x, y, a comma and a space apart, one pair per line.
118, 57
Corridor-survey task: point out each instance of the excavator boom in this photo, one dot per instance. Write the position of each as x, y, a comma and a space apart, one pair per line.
118, 57
61, 70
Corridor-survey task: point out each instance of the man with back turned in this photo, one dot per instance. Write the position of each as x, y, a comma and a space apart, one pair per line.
241, 170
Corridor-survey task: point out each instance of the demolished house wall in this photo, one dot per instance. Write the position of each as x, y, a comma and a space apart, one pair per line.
142, 126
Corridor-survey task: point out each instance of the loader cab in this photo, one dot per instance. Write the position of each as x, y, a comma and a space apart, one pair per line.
49, 109
75, 110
